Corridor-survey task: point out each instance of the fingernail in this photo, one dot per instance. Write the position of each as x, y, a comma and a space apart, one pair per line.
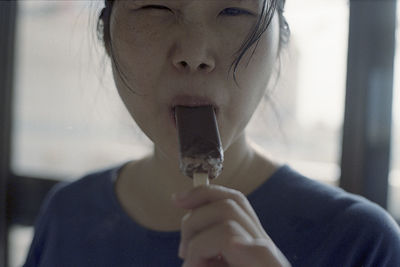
186, 216
181, 252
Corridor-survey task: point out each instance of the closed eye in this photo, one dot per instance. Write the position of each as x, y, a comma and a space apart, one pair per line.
156, 7
235, 12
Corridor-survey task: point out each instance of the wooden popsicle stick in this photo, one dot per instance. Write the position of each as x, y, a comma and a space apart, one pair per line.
200, 179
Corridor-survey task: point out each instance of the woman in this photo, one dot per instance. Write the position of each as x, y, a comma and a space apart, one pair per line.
258, 212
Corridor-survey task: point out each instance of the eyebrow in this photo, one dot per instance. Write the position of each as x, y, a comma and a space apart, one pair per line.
238, 1
242, 1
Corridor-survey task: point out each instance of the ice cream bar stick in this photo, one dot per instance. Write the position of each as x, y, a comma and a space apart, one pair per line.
200, 178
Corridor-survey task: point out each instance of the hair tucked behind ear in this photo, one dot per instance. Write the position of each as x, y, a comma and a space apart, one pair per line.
268, 11
104, 35
103, 25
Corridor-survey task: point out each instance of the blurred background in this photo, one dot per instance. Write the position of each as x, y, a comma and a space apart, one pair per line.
67, 119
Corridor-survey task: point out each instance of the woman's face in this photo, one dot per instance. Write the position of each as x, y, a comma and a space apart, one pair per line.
179, 52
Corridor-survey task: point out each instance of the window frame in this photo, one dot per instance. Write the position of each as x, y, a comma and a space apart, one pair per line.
8, 12
367, 124
362, 159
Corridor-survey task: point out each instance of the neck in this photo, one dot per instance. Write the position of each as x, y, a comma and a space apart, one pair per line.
144, 187
165, 171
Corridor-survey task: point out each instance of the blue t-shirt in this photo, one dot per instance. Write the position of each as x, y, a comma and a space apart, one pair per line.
82, 224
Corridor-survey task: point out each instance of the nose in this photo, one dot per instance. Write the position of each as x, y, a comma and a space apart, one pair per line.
193, 51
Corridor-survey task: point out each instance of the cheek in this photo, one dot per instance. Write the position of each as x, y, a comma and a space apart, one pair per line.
131, 50
253, 78
139, 106
255, 70
133, 41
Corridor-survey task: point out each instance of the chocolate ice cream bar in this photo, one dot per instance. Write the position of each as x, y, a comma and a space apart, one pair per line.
200, 145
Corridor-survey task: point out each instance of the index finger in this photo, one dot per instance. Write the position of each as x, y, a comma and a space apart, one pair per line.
203, 195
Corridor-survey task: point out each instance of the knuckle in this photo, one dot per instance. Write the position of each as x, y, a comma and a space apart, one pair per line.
231, 207
239, 197
228, 205
236, 243
230, 228
227, 208
184, 221
230, 233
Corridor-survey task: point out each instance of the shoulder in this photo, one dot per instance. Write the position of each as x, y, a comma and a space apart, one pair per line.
301, 190
328, 220
377, 232
366, 233
313, 197
92, 182
68, 198
299, 194
68, 213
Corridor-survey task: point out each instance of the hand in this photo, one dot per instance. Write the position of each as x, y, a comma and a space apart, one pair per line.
222, 229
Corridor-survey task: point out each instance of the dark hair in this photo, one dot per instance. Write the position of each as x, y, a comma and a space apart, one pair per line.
268, 10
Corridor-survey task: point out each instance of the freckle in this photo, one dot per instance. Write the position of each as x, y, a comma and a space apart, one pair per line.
132, 28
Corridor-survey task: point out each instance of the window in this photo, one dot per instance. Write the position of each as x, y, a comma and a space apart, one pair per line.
305, 131
69, 120
394, 177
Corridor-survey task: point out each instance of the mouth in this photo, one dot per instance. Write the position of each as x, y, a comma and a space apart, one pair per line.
191, 101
